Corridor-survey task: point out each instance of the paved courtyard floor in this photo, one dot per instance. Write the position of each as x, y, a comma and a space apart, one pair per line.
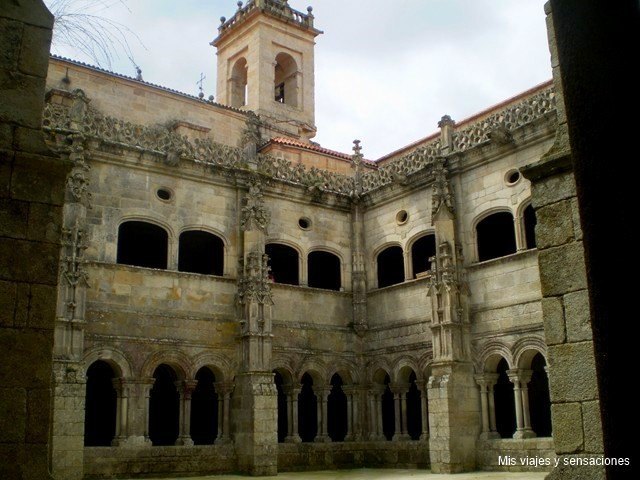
382, 474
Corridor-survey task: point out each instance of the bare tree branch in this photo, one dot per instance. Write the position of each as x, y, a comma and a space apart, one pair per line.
83, 26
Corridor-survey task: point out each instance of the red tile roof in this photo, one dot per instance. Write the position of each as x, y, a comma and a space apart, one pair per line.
312, 147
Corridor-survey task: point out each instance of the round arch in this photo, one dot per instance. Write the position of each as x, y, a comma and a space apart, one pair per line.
176, 359
116, 360
526, 348
491, 354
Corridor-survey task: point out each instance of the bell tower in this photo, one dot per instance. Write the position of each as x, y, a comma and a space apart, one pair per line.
266, 64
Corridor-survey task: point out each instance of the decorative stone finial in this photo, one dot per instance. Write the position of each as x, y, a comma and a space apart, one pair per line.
446, 120
223, 19
309, 9
357, 148
138, 73
211, 98
239, 5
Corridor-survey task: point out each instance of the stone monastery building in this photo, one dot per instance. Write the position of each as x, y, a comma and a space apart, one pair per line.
234, 297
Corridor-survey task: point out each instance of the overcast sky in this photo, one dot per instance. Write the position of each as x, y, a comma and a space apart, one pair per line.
386, 71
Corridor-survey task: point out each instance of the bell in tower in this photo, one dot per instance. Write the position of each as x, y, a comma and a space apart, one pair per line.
266, 64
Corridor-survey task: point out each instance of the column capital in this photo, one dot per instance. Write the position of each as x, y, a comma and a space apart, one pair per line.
224, 388
322, 392
486, 379
399, 388
519, 376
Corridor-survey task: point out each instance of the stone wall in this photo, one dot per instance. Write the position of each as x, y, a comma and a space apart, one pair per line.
520, 453
329, 456
32, 182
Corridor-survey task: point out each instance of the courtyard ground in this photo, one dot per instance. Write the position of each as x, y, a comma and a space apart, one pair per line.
384, 474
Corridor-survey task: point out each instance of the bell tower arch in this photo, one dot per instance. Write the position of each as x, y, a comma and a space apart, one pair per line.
266, 63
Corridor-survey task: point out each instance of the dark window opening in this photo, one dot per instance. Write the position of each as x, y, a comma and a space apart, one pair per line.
201, 252
539, 400
239, 86
505, 408
279, 93
422, 251
530, 223
283, 421
142, 244
337, 411
388, 411
304, 223
204, 409
390, 267
164, 407
324, 271
307, 410
414, 409
496, 236
100, 406
286, 80
283, 261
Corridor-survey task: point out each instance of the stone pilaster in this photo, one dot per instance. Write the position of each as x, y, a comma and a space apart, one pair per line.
68, 425
254, 403
358, 260
454, 406
575, 409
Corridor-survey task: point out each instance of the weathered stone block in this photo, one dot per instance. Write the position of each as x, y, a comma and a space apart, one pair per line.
14, 218
30, 140
38, 179
573, 372
8, 293
35, 346
578, 316
38, 408
562, 269
13, 414
11, 39
6, 138
34, 54
23, 100
16, 261
553, 189
44, 223
554, 322
555, 225
592, 431
567, 427
30, 12
43, 307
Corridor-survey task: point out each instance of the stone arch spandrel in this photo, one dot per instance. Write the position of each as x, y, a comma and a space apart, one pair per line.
115, 358
176, 359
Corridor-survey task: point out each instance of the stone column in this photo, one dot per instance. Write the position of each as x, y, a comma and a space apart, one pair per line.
521, 432
486, 383
292, 414
185, 389
349, 392
424, 416
525, 378
373, 414
224, 391
123, 391
400, 410
322, 394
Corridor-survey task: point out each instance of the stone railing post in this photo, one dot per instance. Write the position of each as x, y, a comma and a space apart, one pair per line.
516, 379
185, 389
322, 394
292, 392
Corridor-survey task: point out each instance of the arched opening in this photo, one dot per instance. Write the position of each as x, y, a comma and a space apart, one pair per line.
390, 267
388, 411
164, 407
286, 80
496, 236
100, 406
422, 251
142, 244
204, 408
239, 83
530, 221
539, 400
307, 410
337, 410
201, 252
414, 409
505, 408
283, 423
283, 261
324, 271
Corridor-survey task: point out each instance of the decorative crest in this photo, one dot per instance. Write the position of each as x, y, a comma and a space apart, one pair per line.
255, 215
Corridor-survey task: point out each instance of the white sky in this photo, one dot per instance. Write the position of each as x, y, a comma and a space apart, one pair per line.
386, 71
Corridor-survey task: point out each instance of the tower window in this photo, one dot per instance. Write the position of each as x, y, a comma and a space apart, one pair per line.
286, 80
239, 84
